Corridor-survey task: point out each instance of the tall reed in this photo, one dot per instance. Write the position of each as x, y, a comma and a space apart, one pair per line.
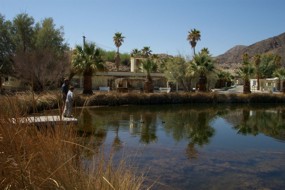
54, 157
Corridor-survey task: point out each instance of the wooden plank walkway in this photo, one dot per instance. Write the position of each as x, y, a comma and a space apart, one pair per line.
45, 120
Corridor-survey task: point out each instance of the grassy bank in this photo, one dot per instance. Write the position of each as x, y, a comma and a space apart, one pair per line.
30, 103
54, 157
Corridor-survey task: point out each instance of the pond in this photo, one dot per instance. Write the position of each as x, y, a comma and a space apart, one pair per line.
195, 146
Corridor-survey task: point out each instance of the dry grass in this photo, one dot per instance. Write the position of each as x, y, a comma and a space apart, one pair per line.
30, 103
54, 157
115, 99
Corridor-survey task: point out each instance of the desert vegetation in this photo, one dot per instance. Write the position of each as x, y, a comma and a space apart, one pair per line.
55, 157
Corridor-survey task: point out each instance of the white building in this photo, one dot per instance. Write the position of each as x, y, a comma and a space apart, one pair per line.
266, 85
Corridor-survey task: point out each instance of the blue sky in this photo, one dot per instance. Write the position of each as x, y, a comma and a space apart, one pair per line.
162, 25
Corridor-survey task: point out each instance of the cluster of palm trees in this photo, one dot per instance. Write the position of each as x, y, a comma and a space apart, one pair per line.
260, 67
87, 60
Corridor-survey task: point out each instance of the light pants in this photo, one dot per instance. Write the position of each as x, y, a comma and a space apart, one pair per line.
67, 109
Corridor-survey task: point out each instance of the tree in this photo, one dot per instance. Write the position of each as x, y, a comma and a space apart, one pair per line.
224, 79
135, 53
23, 32
148, 65
7, 48
280, 73
268, 64
118, 40
193, 36
176, 71
246, 70
146, 52
201, 65
87, 60
42, 57
205, 50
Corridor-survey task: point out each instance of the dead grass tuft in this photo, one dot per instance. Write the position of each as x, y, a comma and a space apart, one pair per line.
54, 157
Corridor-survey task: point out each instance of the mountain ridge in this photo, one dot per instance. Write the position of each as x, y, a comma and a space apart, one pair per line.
232, 58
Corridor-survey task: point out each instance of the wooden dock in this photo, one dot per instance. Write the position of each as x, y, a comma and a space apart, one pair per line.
45, 120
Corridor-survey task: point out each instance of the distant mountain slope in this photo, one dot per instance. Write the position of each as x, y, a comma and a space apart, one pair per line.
233, 57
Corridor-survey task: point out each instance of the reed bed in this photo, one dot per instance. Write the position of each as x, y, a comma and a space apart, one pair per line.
30, 103
55, 157
116, 99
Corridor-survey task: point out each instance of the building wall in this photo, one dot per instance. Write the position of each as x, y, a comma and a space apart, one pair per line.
129, 80
269, 84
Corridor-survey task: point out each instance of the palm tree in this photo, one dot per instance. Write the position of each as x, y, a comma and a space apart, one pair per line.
257, 61
146, 52
193, 36
135, 52
246, 70
202, 64
148, 65
224, 79
280, 73
205, 50
118, 40
87, 60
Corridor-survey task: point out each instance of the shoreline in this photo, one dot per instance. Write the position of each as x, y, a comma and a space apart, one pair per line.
32, 103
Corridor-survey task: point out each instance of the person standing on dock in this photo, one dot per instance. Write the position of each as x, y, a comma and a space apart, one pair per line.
68, 103
64, 89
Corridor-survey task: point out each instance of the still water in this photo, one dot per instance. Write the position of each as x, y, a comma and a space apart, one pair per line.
195, 147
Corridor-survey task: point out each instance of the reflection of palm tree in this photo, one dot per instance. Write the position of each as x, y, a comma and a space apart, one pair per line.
201, 131
191, 152
117, 143
90, 131
248, 125
148, 129
193, 125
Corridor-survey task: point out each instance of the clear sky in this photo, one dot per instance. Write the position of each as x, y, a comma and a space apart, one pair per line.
162, 25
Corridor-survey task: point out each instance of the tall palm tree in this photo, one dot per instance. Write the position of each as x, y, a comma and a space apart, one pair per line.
257, 61
202, 64
193, 36
87, 60
118, 40
246, 70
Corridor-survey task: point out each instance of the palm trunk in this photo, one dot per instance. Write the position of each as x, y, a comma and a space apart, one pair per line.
0, 83
202, 83
87, 82
246, 87
117, 60
258, 85
148, 85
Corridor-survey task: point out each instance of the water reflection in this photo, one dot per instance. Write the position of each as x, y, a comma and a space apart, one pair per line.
240, 146
270, 122
181, 122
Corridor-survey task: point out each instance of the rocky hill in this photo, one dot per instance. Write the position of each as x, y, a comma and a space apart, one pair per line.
233, 57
